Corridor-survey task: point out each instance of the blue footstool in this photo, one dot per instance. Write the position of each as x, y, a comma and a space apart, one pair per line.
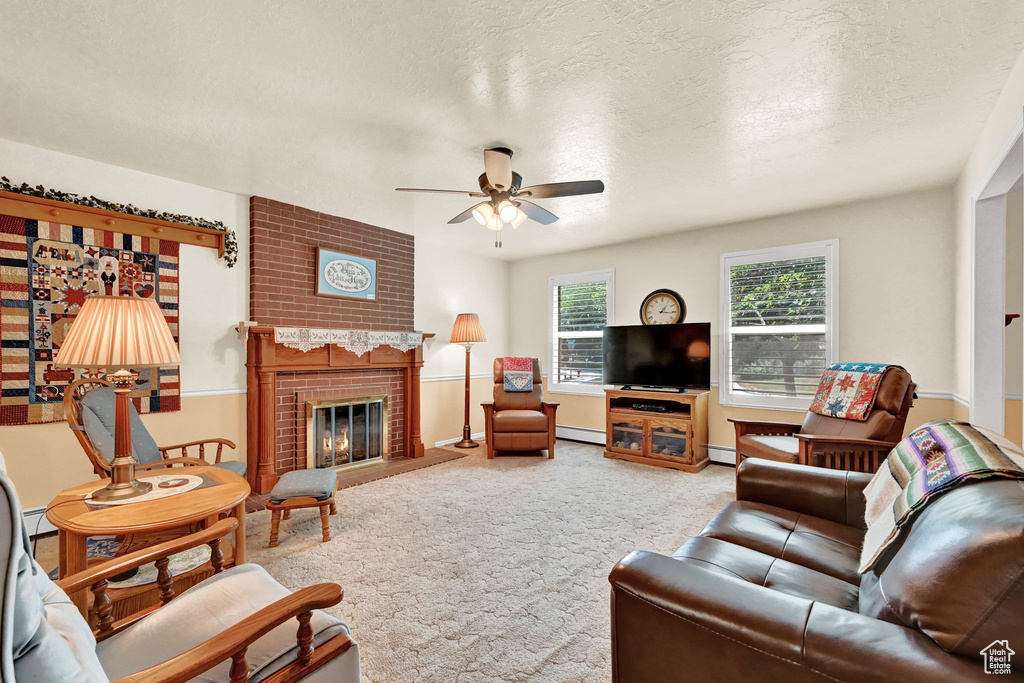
303, 489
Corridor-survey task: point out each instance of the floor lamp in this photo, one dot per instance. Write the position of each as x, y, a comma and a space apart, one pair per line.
467, 331
118, 333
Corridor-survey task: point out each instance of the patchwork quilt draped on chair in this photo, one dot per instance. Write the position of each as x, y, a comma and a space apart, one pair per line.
848, 390
518, 374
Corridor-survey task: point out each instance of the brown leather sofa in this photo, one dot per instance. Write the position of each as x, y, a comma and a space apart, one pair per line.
519, 421
769, 590
833, 442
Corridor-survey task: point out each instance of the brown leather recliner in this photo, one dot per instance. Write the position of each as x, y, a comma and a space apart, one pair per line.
769, 590
833, 442
519, 421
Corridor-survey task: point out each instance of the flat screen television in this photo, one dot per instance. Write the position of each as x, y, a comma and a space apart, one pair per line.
676, 356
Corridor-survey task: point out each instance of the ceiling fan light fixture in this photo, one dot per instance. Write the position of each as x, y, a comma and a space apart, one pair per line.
505, 199
507, 210
483, 212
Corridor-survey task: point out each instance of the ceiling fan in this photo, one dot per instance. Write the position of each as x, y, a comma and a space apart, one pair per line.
506, 200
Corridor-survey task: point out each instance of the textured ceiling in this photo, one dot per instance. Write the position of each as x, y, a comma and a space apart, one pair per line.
693, 113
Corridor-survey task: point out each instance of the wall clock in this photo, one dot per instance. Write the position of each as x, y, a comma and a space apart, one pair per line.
662, 307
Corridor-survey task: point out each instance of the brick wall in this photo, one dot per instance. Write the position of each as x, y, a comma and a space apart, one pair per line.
295, 388
282, 269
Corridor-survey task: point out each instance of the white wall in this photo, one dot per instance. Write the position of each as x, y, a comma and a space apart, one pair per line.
44, 459
449, 282
1006, 112
1015, 292
894, 295
213, 296
895, 290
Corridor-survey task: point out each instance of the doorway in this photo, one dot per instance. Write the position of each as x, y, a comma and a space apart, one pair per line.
988, 280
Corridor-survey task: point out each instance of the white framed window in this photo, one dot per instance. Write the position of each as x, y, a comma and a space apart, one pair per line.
779, 324
579, 306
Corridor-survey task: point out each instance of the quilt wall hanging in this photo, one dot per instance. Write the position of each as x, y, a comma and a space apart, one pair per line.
47, 269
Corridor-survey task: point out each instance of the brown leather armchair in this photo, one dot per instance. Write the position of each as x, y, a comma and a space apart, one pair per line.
519, 421
832, 442
769, 590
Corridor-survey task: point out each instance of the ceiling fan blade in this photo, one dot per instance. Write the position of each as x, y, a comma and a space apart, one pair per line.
418, 189
498, 167
537, 213
468, 213
570, 189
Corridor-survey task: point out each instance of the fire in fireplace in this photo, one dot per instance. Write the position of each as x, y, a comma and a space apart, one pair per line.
343, 433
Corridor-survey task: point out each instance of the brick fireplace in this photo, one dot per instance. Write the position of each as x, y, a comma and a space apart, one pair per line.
282, 265
346, 433
296, 389
281, 379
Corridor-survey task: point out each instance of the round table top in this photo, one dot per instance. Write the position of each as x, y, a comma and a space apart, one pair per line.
69, 512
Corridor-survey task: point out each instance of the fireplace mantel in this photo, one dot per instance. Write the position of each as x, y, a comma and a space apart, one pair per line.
266, 357
357, 341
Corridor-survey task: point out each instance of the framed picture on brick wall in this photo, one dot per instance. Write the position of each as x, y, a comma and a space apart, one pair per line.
348, 276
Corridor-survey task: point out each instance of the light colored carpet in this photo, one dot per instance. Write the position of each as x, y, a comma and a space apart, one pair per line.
482, 571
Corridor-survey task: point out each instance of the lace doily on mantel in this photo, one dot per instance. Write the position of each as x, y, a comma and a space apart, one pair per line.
356, 341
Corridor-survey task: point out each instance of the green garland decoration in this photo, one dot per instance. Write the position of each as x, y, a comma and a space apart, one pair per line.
230, 243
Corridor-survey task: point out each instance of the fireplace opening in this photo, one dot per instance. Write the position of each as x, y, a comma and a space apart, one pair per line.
344, 433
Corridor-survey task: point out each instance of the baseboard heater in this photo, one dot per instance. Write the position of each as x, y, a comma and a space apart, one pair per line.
36, 522
724, 455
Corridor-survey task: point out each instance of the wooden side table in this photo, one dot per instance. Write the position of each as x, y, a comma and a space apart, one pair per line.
148, 522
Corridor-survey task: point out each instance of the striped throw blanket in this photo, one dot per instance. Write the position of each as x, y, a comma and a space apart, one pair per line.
934, 458
518, 374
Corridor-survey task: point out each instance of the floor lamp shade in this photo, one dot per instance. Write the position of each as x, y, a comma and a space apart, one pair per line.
467, 329
115, 332
119, 334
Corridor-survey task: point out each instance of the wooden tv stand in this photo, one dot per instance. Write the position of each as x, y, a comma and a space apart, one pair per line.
677, 438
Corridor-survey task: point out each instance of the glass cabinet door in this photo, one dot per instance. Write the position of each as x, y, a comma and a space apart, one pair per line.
670, 441
627, 436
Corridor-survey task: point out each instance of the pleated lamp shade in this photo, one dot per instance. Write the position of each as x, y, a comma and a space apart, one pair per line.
118, 332
467, 329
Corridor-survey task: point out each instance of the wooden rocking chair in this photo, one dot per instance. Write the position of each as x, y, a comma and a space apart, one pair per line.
89, 410
236, 626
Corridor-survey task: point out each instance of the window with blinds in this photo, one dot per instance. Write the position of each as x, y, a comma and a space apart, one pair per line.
580, 307
778, 320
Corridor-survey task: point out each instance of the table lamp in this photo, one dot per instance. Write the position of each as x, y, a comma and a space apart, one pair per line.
116, 333
467, 331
